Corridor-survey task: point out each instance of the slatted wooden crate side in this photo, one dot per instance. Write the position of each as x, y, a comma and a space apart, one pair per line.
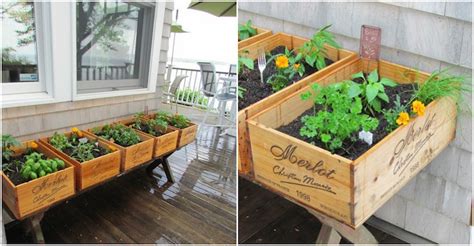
289, 165
35, 195
269, 43
383, 170
261, 34
95, 171
186, 135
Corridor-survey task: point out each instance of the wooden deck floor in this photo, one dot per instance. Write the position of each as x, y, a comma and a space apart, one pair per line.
267, 218
136, 208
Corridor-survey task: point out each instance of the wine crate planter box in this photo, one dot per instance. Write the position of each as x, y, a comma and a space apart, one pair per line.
36, 195
164, 144
134, 155
347, 190
92, 172
340, 58
261, 34
186, 135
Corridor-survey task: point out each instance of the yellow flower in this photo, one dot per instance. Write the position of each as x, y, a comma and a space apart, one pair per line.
281, 62
418, 107
76, 131
112, 148
403, 118
296, 66
33, 145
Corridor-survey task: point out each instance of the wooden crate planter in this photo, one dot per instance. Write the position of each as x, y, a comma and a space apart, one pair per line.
347, 190
36, 195
134, 155
186, 135
92, 172
261, 34
340, 57
164, 144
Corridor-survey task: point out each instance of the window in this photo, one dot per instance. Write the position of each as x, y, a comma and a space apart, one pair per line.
63, 51
112, 46
19, 48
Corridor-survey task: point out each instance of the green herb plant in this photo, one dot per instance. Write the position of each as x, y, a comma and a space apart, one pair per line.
246, 30
285, 74
179, 121
37, 165
340, 116
241, 91
119, 134
371, 90
8, 141
80, 149
392, 114
60, 141
243, 60
441, 84
155, 127
314, 52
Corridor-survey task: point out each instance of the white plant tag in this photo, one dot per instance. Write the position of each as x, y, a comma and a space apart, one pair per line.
366, 137
83, 140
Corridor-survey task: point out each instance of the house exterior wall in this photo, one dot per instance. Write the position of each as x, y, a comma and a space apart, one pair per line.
32, 122
437, 203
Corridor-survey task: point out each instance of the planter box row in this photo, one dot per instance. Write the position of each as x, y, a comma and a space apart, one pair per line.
349, 191
261, 34
35, 195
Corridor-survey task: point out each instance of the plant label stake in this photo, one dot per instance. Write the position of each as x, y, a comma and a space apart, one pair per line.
262, 63
370, 38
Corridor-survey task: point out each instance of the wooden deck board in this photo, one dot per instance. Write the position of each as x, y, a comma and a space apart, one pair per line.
199, 207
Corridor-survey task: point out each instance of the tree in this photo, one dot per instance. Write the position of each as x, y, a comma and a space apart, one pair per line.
96, 24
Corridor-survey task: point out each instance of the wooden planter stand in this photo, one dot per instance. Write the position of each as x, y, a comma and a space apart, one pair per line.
340, 57
186, 135
30, 197
349, 191
261, 34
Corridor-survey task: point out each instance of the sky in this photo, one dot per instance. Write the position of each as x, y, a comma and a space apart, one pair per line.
209, 38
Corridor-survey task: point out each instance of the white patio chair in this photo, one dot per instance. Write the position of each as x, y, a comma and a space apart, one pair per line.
170, 91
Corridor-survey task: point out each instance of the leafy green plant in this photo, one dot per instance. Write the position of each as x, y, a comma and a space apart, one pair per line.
340, 116
8, 141
288, 65
371, 90
246, 30
314, 51
84, 151
119, 134
179, 121
241, 91
37, 165
155, 127
191, 96
243, 60
60, 141
441, 84
392, 114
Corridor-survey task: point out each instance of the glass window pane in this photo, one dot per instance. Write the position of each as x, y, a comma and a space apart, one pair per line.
19, 52
109, 38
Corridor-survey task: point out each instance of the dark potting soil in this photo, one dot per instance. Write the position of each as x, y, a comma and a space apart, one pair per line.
352, 150
102, 151
13, 171
146, 128
255, 90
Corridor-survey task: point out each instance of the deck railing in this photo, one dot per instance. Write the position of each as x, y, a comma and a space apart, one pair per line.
189, 92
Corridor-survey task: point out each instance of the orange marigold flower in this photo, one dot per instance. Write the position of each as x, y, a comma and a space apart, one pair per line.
281, 62
296, 66
33, 145
76, 131
403, 118
418, 107
112, 148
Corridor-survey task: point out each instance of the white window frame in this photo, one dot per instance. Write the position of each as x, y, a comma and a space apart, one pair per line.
57, 63
152, 65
